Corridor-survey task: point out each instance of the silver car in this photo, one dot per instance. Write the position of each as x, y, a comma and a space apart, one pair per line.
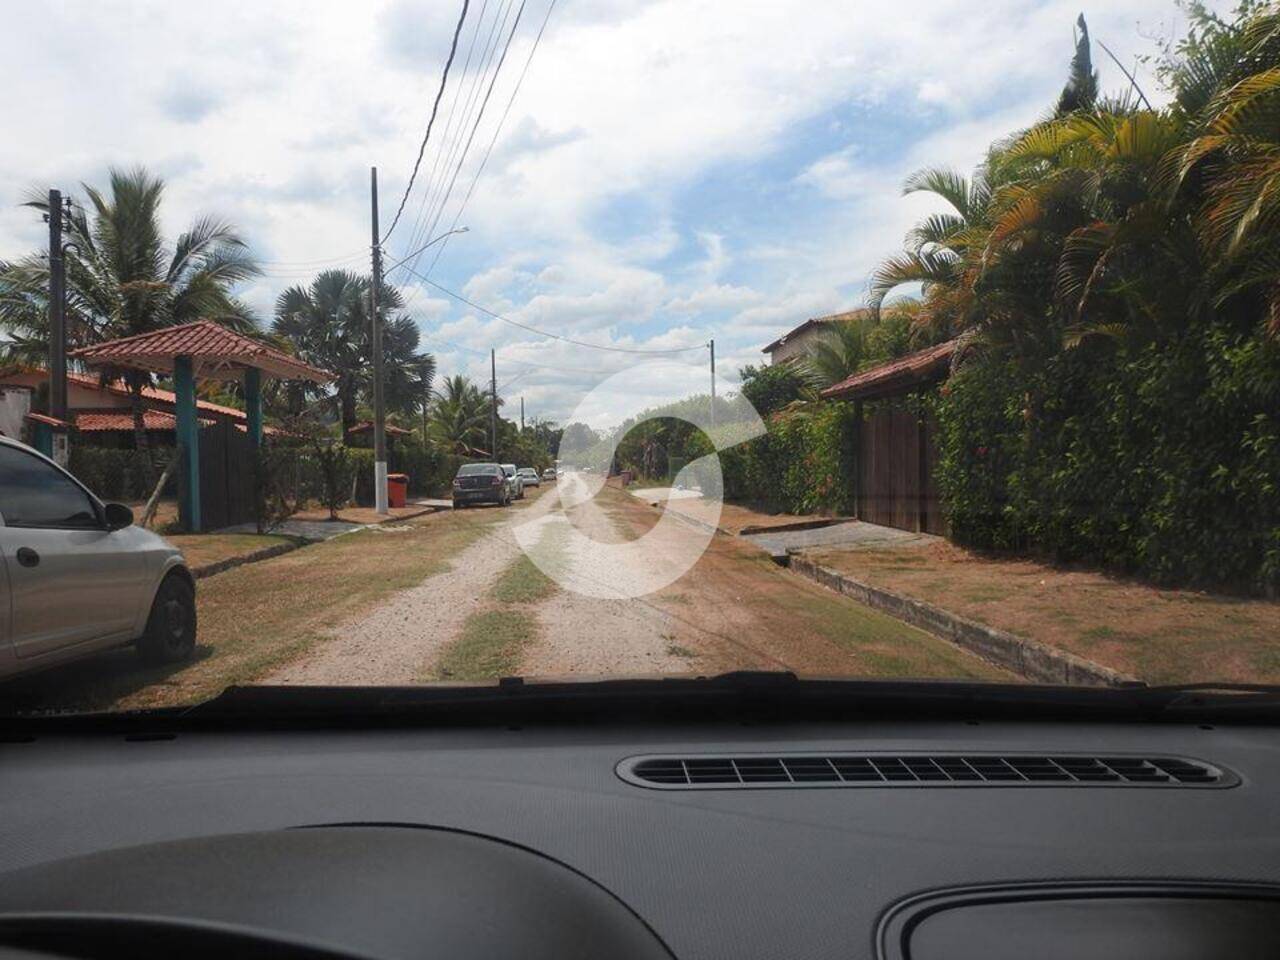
529, 477
514, 480
77, 577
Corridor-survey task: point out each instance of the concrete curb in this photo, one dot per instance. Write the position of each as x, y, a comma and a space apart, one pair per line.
692, 521
266, 553
815, 524
1028, 658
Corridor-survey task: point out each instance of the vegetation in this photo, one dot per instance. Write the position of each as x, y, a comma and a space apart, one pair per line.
327, 324
122, 280
1114, 269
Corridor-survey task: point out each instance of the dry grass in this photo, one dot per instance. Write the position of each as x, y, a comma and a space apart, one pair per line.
256, 617
1161, 636
202, 549
741, 611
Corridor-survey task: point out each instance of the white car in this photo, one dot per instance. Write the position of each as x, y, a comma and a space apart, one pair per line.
530, 477
77, 577
514, 480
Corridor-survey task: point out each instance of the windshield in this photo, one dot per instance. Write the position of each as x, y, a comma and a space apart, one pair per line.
686, 344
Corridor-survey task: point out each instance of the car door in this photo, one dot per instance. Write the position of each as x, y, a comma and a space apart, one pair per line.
71, 580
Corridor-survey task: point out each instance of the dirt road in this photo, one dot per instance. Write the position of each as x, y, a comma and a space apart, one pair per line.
571, 614
456, 597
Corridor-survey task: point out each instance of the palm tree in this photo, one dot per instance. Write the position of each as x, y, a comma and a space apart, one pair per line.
122, 279
327, 324
836, 355
460, 415
324, 324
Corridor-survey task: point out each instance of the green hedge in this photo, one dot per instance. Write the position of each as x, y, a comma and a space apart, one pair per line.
803, 464
118, 474
1159, 459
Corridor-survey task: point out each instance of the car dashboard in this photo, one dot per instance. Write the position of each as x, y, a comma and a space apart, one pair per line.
928, 839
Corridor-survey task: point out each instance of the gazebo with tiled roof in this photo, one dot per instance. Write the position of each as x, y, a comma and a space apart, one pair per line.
203, 350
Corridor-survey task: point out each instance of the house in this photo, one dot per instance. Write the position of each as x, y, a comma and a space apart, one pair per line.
102, 414
799, 341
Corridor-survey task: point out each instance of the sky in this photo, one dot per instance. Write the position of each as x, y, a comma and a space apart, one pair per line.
666, 172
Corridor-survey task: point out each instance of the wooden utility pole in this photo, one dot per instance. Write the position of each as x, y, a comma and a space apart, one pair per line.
493, 404
522, 414
712, 344
57, 311
379, 409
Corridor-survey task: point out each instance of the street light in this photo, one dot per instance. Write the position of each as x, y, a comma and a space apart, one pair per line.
425, 245
379, 406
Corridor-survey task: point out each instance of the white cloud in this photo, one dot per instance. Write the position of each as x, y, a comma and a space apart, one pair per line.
272, 114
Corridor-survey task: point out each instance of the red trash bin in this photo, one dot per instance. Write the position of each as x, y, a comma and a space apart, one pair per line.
397, 487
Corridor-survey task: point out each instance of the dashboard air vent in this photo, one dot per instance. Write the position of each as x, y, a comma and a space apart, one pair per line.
919, 770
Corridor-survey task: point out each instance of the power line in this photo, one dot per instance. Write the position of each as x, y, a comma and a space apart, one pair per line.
434, 219
479, 117
429, 192
546, 333
434, 107
501, 120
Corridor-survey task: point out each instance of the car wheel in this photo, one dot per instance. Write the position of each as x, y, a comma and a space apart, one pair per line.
457, 505
171, 626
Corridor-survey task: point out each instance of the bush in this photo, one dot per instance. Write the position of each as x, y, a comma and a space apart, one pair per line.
804, 463
118, 474
1158, 459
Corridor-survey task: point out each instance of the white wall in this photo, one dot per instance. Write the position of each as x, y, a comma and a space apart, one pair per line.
15, 404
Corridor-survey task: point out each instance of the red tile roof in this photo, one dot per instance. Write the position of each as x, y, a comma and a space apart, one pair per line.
152, 393
51, 421
218, 353
896, 376
366, 426
93, 422
814, 322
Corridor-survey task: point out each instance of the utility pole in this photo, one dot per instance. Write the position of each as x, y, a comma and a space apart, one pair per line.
379, 410
712, 344
522, 414
57, 311
493, 404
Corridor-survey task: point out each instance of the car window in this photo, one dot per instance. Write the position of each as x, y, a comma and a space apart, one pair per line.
34, 494
476, 470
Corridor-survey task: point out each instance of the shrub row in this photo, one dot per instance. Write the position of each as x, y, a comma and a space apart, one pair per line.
1157, 459
118, 474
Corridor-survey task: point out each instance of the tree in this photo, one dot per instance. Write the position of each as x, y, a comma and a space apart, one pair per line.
122, 279
836, 355
327, 324
771, 387
460, 415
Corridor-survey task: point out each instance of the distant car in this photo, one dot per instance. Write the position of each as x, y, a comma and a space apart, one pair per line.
529, 477
514, 479
549, 474
480, 483
80, 576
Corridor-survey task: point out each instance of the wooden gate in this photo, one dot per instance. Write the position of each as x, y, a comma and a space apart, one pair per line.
226, 476
897, 455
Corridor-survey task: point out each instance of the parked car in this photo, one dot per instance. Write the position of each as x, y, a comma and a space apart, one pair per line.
514, 479
81, 578
529, 477
549, 474
480, 483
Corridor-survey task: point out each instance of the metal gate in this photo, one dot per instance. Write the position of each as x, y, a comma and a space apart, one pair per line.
226, 476
897, 456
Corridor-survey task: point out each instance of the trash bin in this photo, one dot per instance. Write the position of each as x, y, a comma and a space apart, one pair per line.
397, 487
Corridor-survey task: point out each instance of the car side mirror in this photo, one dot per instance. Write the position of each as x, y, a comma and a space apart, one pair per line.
118, 516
